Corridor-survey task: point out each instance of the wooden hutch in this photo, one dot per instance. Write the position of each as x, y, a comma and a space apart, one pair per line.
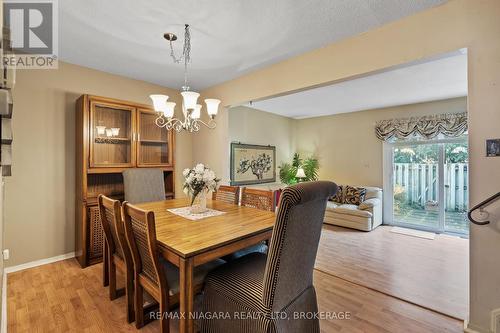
111, 136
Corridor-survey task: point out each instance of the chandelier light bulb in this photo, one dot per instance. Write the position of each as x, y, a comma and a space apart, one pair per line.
169, 109
212, 106
159, 102
190, 99
196, 112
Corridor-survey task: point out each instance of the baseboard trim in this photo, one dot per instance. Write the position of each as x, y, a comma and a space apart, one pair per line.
469, 329
40, 262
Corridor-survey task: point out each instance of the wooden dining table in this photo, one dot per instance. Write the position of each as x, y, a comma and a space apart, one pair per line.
189, 243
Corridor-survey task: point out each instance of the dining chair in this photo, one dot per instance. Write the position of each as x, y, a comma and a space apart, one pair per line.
116, 253
255, 198
143, 185
153, 274
280, 283
229, 194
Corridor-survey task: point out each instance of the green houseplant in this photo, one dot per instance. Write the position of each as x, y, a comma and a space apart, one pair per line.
289, 170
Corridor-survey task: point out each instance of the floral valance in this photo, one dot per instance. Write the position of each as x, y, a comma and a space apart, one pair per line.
427, 127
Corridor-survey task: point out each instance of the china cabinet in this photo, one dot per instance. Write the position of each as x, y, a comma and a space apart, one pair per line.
111, 136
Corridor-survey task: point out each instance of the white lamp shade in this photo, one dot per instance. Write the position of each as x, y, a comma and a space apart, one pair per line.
196, 112
169, 109
212, 106
159, 102
190, 98
300, 173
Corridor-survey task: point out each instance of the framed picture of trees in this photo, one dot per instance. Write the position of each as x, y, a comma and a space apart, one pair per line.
252, 164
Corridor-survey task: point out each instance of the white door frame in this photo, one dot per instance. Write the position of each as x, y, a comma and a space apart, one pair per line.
388, 158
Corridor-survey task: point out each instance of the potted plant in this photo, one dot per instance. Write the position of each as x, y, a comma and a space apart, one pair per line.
309, 166
197, 183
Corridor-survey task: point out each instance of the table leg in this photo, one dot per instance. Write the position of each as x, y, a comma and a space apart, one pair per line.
186, 300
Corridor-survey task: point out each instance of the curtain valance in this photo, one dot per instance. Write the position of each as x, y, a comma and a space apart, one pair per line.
426, 127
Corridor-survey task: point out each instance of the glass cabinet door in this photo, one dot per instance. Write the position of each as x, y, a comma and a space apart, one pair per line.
111, 135
154, 144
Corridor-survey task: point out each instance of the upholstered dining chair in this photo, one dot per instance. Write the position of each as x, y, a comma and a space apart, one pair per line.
229, 194
281, 282
260, 199
143, 185
116, 253
153, 274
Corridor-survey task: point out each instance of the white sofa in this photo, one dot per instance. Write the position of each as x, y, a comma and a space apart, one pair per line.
367, 216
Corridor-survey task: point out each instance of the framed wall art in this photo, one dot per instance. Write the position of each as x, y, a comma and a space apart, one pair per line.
252, 164
493, 147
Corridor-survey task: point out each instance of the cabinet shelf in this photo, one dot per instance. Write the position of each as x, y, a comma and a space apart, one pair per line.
153, 141
111, 140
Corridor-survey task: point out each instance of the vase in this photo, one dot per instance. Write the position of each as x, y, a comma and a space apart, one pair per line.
199, 203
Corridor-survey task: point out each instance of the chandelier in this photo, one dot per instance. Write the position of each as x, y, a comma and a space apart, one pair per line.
190, 109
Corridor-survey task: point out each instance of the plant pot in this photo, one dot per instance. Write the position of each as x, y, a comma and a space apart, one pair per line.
199, 203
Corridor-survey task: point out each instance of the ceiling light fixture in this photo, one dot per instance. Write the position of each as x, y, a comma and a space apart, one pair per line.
190, 109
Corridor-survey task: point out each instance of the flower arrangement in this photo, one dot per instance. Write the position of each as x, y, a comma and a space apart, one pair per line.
199, 180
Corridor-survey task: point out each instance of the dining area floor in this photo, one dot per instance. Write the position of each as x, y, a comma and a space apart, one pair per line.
63, 297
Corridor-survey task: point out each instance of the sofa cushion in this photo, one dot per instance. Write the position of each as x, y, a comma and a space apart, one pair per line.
354, 195
338, 197
347, 209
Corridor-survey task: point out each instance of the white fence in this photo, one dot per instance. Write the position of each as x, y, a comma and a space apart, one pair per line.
420, 186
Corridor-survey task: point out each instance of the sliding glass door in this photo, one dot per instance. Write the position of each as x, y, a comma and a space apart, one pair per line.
427, 185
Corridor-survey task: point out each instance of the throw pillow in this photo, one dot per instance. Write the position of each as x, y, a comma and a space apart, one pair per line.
354, 195
338, 197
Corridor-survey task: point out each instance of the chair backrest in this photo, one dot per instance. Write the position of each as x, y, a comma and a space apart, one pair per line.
294, 242
260, 199
140, 231
229, 194
110, 213
143, 185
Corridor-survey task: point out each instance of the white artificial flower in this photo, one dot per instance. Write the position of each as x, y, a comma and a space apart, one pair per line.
185, 172
199, 168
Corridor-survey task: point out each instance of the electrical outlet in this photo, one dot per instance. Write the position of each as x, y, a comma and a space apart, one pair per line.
495, 321
6, 254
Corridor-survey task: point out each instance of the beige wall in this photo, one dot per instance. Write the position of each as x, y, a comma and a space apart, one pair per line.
346, 145
40, 195
248, 125
456, 24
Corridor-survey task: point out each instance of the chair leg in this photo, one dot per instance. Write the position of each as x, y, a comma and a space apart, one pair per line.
129, 289
112, 278
105, 265
138, 303
164, 319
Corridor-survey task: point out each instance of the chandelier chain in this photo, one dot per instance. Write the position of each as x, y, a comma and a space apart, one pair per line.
186, 54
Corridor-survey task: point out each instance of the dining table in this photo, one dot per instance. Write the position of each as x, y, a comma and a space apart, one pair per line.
189, 243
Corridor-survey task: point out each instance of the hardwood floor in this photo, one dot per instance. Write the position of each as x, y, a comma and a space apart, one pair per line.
430, 273
62, 297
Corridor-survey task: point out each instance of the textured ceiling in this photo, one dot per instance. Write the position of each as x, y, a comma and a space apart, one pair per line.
429, 81
230, 37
